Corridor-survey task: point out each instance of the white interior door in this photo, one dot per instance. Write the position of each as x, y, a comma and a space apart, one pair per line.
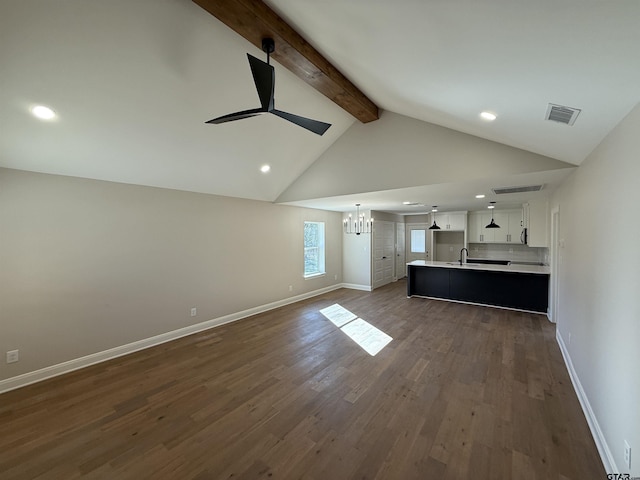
401, 268
382, 252
417, 242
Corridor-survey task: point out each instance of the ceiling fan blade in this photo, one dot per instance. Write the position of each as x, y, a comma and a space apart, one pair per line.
314, 126
264, 76
238, 115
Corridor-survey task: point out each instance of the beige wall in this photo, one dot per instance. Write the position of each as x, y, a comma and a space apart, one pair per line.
397, 151
356, 257
87, 265
387, 217
599, 277
447, 245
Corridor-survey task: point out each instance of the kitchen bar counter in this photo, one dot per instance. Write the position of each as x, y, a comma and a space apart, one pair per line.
519, 287
537, 269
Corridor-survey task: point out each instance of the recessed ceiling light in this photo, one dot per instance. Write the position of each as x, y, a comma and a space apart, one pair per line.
491, 206
265, 168
480, 195
408, 203
43, 113
488, 116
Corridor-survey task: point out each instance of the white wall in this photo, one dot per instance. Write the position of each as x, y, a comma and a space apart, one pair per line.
87, 266
599, 300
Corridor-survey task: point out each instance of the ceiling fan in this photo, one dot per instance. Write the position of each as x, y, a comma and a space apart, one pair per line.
264, 76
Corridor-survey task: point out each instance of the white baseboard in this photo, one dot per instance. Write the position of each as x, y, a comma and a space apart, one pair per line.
82, 362
603, 448
355, 286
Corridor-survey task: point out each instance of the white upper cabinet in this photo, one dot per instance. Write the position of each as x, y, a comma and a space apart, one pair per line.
474, 232
498, 235
510, 222
514, 226
452, 221
537, 222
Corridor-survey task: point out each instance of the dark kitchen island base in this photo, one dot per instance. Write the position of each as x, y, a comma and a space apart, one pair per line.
508, 289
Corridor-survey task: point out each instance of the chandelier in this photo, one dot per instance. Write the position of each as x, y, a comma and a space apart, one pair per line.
359, 224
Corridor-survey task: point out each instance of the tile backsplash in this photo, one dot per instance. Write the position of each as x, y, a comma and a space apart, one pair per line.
513, 252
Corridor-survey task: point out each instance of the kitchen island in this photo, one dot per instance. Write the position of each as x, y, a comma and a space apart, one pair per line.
519, 287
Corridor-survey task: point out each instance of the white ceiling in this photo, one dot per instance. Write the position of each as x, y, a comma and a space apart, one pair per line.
446, 61
134, 81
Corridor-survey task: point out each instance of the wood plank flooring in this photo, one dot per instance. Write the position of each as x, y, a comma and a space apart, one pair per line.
461, 392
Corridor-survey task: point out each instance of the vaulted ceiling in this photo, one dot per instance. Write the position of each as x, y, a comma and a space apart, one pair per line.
134, 81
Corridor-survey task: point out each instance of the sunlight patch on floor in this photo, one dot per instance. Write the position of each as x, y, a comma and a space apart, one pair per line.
371, 339
338, 314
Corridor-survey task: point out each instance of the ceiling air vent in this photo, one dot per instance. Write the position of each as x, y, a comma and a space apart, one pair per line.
528, 188
562, 114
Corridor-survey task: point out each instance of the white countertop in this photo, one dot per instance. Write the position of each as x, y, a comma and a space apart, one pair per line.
539, 269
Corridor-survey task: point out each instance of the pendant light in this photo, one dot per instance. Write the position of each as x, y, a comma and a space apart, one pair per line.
359, 225
492, 224
435, 225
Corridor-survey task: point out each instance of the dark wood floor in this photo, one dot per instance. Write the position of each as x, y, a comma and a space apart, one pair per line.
462, 392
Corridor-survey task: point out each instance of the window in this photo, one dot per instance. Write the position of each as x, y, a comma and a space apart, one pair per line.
418, 241
313, 248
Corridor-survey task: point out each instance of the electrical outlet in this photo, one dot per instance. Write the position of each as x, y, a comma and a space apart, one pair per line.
569, 338
291, 288
13, 356
627, 455
335, 277
511, 250
194, 311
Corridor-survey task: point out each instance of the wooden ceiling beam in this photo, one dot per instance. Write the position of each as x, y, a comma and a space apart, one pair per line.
254, 20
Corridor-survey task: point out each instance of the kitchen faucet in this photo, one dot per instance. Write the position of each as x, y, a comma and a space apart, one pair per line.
462, 250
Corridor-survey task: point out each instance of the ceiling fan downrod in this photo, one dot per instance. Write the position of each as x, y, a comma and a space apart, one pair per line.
268, 47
